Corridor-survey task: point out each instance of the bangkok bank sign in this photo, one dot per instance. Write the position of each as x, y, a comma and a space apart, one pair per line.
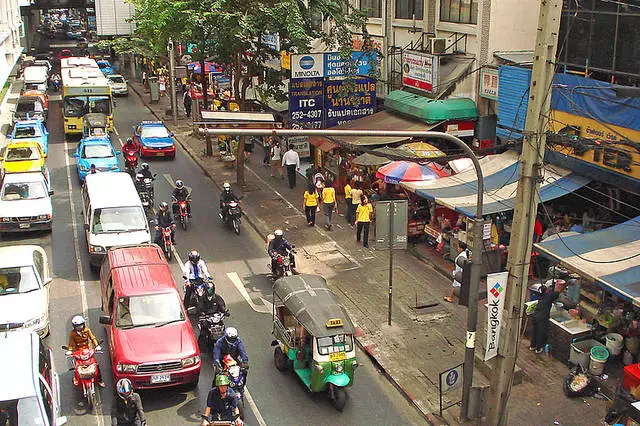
496, 291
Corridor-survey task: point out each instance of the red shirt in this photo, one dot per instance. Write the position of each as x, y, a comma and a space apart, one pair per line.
537, 229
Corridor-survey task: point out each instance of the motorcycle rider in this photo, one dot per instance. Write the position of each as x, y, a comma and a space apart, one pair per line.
226, 196
127, 409
194, 268
222, 403
212, 302
79, 338
279, 246
229, 344
164, 220
146, 171
55, 81
180, 193
130, 148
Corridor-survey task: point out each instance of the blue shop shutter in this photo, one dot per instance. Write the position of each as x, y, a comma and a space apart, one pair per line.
513, 99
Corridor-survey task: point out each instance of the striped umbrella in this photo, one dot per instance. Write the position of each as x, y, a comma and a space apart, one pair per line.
422, 149
407, 171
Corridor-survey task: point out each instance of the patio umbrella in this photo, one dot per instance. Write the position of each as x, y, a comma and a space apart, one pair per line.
422, 150
210, 68
395, 151
367, 159
407, 171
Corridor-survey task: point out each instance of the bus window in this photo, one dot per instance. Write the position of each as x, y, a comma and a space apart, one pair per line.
100, 104
75, 107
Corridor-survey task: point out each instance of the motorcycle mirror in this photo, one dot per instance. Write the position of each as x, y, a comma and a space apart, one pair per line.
293, 246
65, 347
105, 319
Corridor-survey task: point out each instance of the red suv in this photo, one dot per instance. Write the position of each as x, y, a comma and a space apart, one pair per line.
150, 336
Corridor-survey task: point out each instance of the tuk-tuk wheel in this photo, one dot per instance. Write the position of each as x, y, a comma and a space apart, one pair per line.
281, 360
339, 398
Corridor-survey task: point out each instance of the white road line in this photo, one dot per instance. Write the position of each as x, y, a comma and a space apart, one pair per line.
300, 213
81, 280
254, 408
121, 143
116, 131
235, 279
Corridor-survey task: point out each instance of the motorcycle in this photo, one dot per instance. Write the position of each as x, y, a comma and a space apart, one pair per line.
55, 84
86, 373
166, 241
232, 216
211, 328
284, 267
146, 201
237, 382
131, 162
182, 211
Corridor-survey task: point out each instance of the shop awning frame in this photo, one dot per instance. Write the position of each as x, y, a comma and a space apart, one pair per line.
609, 257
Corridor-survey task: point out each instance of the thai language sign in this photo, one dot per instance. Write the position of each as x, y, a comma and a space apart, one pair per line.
330, 64
496, 292
342, 104
420, 70
306, 102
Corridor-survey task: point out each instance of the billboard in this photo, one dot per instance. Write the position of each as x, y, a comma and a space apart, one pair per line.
420, 71
330, 64
307, 66
341, 107
306, 102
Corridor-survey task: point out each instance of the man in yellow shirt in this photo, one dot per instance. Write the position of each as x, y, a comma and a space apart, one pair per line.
363, 220
347, 200
310, 204
329, 203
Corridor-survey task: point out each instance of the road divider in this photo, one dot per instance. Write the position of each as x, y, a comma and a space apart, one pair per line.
237, 282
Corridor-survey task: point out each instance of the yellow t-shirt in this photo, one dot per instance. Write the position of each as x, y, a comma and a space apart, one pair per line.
347, 192
310, 199
328, 195
363, 212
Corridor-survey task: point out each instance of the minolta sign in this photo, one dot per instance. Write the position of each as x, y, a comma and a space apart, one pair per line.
330, 64
306, 66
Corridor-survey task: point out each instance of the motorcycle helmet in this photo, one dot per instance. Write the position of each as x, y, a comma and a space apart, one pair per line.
222, 380
278, 234
145, 166
231, 335
164, 206
211, 290
226, 187
179, 184
194, 256
129, 140
124, 388
139, 177
78, 322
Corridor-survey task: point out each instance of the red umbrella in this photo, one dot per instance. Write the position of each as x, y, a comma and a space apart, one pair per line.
407, 171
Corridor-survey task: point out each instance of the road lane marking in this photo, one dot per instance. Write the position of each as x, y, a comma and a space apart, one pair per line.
121, 143
116, 131
235, 279
172, 182
81, 280
254, 408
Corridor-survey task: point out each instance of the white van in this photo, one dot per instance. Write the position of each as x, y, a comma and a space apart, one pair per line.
36, 77
113, 214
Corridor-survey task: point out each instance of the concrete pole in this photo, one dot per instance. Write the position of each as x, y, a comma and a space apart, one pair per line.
531, 163
172, 83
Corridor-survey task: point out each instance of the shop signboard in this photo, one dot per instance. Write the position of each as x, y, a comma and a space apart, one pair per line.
223, 82
335, 66
285, 60
496, 292
272, 41
399, 212
489, 83
306, 102
343, 105
300, 145
310, 65
420, 70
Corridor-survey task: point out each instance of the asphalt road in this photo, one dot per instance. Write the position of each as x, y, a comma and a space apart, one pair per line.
278, 398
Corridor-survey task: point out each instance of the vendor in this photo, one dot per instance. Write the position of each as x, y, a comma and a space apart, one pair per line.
542, 313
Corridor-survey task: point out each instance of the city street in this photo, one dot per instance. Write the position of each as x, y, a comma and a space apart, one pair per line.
273, 397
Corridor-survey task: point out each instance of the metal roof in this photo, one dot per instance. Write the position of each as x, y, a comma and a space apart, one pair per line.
313, 304
517, 57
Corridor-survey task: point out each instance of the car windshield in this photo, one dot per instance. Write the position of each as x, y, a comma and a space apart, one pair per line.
22, 154
148, 309
154, 132
21, 279
26, 409
337, 343
27, 133
29, 107
104, 64
23, 191
116, 79
97, 151
118, 219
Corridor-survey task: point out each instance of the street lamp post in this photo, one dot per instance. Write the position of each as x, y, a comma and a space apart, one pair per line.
172, 82
476, 263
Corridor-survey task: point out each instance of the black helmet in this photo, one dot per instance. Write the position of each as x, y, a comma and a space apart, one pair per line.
179, 184
145, 166
164, 206
194, 256
129, 140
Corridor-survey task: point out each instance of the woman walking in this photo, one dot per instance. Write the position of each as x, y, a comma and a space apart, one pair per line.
363, 220
276, 156
310, 205
329, 203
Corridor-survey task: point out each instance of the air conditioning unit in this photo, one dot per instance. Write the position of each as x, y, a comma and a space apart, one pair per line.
441, 46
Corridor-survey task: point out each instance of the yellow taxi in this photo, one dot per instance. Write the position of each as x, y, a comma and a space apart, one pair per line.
20, 157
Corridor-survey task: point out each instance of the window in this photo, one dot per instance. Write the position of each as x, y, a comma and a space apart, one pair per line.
373, 8
146, 310
45, 363
406, 9
19, 279
332, 344
118, 219
38, 262
23, 191
155, 132
459, 11
47, 399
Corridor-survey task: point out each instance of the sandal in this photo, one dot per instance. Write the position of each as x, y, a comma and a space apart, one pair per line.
448, 299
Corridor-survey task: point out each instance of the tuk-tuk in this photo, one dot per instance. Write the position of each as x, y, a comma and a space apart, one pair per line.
95, 124
313, 336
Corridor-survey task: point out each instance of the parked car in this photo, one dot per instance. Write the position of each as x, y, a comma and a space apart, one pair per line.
43, 63
30, 386
150, 337
24, 289
106, 67
31, 131
25, 202
154, 140
29, 108
20, 157
44, 98
118, 84
96, 150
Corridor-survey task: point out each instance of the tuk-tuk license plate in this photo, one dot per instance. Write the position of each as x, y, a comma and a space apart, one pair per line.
24, 225
337, 356
160, 378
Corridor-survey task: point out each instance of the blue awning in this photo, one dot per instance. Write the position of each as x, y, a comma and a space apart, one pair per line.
605, 256
501, 173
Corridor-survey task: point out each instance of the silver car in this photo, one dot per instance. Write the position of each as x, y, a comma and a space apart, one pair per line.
118, 84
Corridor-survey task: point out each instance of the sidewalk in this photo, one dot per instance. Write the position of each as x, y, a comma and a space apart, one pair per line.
421, 342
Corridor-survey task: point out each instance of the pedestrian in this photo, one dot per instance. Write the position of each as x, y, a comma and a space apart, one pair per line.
356, 199
144, 78
455, 286
162, 84
347, 201
329, 203
310, 205
266, 145
362, 221
186, 99
248, 148
540, 317
276, 154
291, 160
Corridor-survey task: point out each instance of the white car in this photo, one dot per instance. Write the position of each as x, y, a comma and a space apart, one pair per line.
25, 202
118, 84
24, 289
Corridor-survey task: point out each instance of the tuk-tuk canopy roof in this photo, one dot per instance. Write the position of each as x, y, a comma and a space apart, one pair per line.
95, 119
313, 304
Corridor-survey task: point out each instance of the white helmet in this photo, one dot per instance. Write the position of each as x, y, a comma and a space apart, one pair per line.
278, 233
226, 186
78, 321
231, 335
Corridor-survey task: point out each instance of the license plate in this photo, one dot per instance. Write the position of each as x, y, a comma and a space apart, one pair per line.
161, 378
337, 356
160, 154
24, 225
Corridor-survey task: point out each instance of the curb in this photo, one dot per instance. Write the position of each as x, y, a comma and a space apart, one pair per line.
253, 222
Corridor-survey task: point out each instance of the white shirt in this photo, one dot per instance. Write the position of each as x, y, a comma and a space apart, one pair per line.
275, 152
291, 157
463, 255
190, 272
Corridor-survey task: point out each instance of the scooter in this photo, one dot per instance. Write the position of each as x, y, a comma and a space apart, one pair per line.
237, 382
284, 267
232, 218
86, 373
131, 162
182, 211
166, 241
211, 328
199, 289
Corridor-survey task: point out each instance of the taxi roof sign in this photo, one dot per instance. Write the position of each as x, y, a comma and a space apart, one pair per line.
334, 322
152, 122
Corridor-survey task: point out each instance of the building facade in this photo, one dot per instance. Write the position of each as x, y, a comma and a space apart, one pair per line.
11, 31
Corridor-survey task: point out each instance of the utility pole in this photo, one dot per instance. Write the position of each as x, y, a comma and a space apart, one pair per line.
172, 83
531, 163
